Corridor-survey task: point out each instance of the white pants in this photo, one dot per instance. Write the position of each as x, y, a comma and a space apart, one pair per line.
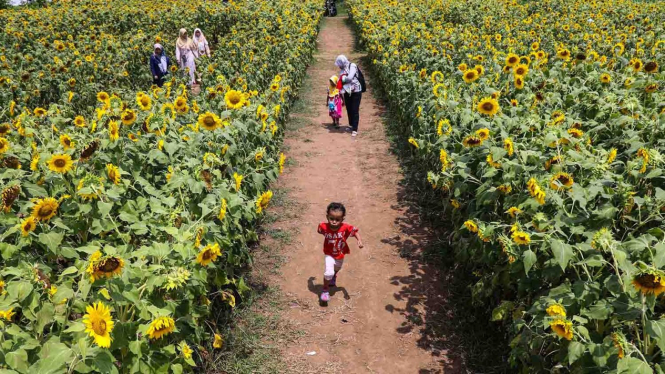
332, 266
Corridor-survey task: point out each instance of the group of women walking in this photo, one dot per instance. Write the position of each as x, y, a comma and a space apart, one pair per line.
187, 50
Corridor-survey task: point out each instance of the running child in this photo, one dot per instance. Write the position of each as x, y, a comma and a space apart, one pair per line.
336, 232
334, 101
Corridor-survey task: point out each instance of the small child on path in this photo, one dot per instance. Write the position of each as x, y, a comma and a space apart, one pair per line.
336, 232
334, 101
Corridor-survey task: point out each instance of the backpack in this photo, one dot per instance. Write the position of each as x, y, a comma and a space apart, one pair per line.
361, 79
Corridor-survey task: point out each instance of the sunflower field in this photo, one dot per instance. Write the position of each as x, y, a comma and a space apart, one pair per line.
126, 210
539, 127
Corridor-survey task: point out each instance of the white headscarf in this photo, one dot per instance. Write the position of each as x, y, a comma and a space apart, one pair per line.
201, 41
342, 62
162, 58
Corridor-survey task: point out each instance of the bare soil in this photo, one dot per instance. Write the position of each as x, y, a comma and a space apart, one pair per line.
383, 316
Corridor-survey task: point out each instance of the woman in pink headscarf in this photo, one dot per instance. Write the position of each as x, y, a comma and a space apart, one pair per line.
201, 43
185, 53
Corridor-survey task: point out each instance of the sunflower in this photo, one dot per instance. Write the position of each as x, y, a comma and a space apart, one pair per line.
514, 211
66, 141
444, 123
512, 59
44, 209
471, 75
636, 64
471, 226
60, 163
480, 69
238, 179
28, 225
505, 189
4, 145
113, 173
437, 88
611, 156
483, 134
563, 54
222, 210
89, 150
144, 101
651, 88
185, 350
651, 67
209, 121
103, 97
7, 314
650, 281
521, 70
218, 343
5, 129
553, 161
208, 254
576, 133
234, 99
40, 112
462, 67
521, 238
561, 181
180, 102
263, 201
413, 142
98, 323
605, 78
472, 141
563, 328
508, 146
555, 310
282, 159
619, 341
488, 106
161, 327
93, 183
519, 82
100, 266
437, 77
79, 121
128, 117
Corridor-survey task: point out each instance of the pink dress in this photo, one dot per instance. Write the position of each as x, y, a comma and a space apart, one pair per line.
335, 106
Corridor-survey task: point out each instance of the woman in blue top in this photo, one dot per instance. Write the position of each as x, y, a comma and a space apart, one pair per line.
159, 65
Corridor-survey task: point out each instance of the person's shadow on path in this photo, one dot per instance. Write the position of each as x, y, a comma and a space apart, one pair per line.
331, 128
317, 288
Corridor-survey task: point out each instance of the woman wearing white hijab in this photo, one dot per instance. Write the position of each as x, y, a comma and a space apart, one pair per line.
185, 53
352, 90
159, 65
201, 43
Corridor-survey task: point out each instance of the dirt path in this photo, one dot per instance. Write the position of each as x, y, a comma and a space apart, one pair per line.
374, 322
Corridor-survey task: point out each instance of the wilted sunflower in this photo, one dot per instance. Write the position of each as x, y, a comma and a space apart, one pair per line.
651, 281
98, 323
5, 129
128, 117
651, 67
208, 254
161, 327
234, 99
100, 266
563, 328
219, 342
514, 211
209, 121
472, 141
488, 106
556, 310
44, 209
113, 173
471, 75
576, 133
263, 201
651, 88
89, 150
471, 226
9, 195
60, 163
238, 179
561, 181
28, 225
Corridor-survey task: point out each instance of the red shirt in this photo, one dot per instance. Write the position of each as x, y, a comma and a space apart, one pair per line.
334, 243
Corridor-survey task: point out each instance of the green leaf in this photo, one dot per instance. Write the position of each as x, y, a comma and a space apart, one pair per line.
562, 253
656, 329
659, 255
75, 327
529, 258
632, 365
176, 368
18, 360
44, 317
51, 240
502, 311
575, 351
19, 290
104, 362
104, 208
600, 310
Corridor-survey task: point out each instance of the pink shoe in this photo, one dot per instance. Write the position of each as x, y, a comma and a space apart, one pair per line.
325, 296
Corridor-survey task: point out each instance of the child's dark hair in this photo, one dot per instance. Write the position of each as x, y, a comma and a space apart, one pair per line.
336, 206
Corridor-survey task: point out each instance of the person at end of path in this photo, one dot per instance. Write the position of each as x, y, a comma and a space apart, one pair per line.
159, 65
352, 89
334, 101
185, 53
335, 247
201, 43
